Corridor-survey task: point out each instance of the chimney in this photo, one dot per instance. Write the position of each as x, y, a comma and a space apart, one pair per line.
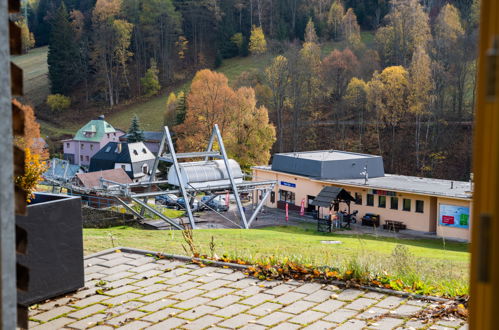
118, 148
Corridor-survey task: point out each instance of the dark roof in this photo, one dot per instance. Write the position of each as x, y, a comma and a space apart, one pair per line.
329, 194
109, 155
149, 136
92, 179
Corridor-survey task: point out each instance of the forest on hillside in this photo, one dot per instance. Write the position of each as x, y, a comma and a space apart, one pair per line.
390, 77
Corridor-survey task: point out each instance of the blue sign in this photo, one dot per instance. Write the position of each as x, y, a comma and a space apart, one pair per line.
454, 216
288, 184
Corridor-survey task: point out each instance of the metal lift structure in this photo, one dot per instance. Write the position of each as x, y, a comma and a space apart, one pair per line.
122, 192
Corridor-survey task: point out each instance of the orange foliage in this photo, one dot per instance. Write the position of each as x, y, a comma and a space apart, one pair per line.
31, 138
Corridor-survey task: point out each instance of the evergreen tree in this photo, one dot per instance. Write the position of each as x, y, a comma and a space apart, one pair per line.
64, 71
181, 107
135, 134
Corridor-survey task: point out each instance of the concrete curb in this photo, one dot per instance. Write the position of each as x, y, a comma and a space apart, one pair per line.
245, 267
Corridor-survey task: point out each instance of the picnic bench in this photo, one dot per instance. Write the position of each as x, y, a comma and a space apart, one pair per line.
393, 225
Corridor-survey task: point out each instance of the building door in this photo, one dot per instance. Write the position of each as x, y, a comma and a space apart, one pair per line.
310, 207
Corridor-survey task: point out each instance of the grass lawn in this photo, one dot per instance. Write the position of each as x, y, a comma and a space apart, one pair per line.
445, 266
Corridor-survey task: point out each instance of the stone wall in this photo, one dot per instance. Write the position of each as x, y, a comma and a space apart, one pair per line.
105, 218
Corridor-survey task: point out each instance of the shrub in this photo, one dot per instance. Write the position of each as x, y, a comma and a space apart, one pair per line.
33, 170
58, 102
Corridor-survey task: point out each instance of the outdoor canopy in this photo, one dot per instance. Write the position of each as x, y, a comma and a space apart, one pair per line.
329, 195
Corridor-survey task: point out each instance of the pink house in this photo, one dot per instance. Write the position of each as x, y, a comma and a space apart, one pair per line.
89, 140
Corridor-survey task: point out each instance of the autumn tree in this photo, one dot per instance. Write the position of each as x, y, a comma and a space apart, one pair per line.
257, 44
338, 68
27, 37
334, 19
387, 96
150, 81
58, 102
31, 139
169, 118
252, 135
408, 28
277, 77
356, 100
310, 33
351, 29
420, 95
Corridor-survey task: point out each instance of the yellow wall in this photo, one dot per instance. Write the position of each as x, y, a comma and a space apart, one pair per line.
426, 221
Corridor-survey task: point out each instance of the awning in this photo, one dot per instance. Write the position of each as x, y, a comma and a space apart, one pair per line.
328, 195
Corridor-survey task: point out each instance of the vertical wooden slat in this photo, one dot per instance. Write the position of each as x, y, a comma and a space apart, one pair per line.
484, 308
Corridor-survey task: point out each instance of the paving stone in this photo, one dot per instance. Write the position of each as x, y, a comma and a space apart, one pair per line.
149, 273
372, 312
204, 271
116, 269
125, 318
386, 323
121, 290
234, 276
231, 310
308, 288
374, 295
93, 261
417, 302
151, 289
94, 269
407, 310
155, 296
224, 301
198, 311
180, 279
217, 293
193, 302
144, 268
249, 291
188, 294
147, 281
174, 273
286, 326
90, 300
237, 321
416, 324
225, 270
321, 325
244, 283
158, 305
214, 285
87, 311
319, 296
352, 325
116, 276
439, 327
390, 302
55, 324
280, 289
274, 318
349, 294
329, 306
138, 261
450, 323
307, 317
289, 297
121, 299
162, 314
203, 322
124, 308
340, 316
171, 323
88, 321
112, 255
298, 306
135, 325
102, 327
183, 287
253, 327
257, 299
264, 309
115, 262
52, 304
210, 277
119, 283
46, 316
361, 303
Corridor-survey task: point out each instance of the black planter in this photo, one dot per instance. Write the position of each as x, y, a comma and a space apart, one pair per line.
54, 252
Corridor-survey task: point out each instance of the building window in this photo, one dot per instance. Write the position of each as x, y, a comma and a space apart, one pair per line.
286, 196
420, 206
81, 158
67, 145
87, 158
145, 169
370, 200
123, 167
114, 134
406, 205
394, 203
91, 147
382, 201
82, 146
358, 198
107, 134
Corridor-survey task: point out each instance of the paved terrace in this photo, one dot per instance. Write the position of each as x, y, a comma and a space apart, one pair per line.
141, 292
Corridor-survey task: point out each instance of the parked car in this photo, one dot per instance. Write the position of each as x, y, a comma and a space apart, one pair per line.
218, 203
181, 204
168, 200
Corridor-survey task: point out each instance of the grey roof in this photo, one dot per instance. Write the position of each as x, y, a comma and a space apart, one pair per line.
61, 169
329, 164
403, 183
329, 194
